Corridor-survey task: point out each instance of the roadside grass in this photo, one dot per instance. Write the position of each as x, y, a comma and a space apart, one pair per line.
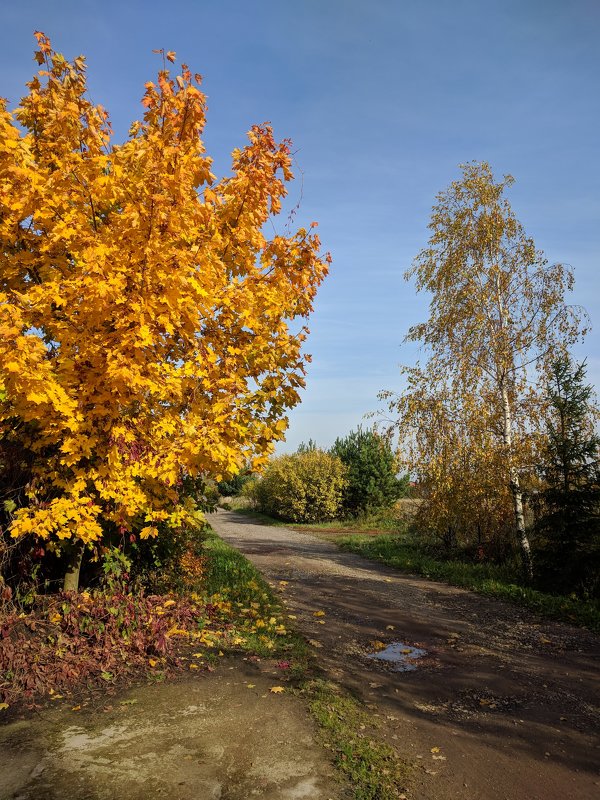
351, 734
377, 520
256, 617
485, 578
347, 730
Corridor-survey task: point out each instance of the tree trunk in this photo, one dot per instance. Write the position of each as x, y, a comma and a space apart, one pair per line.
522, 537
71, 579
517, 494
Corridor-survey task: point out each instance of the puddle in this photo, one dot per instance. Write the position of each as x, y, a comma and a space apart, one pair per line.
401, 655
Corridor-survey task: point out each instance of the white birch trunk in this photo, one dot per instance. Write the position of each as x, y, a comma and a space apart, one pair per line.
515, 488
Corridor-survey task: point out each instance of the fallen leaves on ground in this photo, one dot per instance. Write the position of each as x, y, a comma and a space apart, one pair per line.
105, 637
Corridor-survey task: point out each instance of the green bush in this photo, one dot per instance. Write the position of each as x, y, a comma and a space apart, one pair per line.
303, 487
372, 472
233, 487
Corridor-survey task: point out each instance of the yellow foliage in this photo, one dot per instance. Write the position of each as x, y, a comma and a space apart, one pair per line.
303, 487
143, 314
469, 419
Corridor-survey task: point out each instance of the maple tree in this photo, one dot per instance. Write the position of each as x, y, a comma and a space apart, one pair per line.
497, 313
145, 329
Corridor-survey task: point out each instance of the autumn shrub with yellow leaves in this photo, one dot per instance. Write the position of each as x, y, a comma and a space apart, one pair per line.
306, 486
144, 316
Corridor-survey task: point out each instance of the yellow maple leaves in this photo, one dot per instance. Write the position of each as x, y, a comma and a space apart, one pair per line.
144, 316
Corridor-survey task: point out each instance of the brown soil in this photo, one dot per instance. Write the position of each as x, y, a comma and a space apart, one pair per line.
503, 707
336, 531
219, 736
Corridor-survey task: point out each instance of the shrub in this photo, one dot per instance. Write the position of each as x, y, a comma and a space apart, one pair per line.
372, 472
303, 487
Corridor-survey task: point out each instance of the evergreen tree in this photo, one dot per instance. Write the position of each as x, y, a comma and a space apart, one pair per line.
372, 471
569, 529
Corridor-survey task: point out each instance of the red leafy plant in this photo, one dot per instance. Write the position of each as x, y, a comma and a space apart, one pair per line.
87, 639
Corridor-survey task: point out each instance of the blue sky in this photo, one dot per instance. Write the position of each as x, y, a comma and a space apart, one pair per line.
383, 100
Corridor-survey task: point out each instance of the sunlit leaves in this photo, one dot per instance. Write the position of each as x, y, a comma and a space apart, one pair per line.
144, 315
469, 418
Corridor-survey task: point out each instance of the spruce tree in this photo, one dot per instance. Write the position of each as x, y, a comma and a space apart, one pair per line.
372, 471
569, 529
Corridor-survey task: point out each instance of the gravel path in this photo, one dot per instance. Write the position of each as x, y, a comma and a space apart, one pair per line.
503, 706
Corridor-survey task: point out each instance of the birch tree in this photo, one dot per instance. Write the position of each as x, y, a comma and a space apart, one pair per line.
497, 313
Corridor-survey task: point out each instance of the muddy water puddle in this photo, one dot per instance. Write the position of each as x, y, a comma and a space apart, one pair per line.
400, 656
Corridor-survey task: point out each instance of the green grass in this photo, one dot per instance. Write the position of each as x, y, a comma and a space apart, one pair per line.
230, 577
350, 733
488, 579
382, 520
228, 570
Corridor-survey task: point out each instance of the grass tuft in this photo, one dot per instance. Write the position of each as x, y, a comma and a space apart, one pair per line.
372, 766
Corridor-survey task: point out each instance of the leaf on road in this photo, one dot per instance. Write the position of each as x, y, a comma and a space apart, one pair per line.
277, 689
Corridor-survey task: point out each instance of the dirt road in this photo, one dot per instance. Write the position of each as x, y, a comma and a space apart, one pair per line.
502, 705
